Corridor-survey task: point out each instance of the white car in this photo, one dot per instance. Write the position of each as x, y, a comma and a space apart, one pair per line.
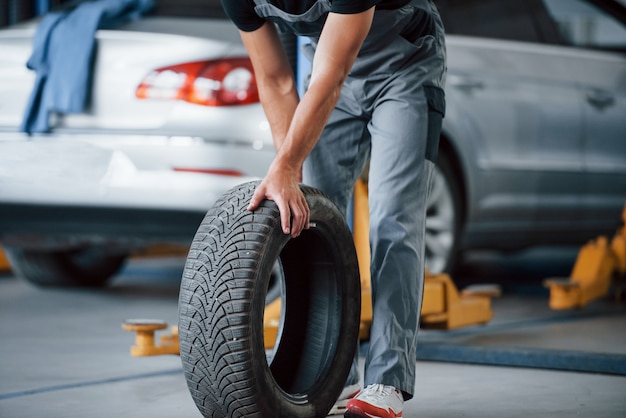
533, 149
173, 123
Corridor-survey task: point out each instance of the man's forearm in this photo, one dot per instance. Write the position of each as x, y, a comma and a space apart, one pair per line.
309, 120
337, 49
275, 80
279, 100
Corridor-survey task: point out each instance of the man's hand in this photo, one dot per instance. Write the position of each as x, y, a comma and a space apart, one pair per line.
281, 185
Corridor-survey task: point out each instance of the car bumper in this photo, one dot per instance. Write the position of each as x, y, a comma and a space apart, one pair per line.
61, 192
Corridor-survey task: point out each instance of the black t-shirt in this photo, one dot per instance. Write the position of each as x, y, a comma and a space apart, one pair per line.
242, 13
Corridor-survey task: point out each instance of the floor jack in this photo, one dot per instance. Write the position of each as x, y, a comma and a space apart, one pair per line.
444, 307
599, 262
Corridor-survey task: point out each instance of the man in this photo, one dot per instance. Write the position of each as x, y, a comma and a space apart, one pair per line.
374, 94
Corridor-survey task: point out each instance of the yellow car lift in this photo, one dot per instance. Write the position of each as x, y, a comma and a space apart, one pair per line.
597, 264
443, 307
4, 262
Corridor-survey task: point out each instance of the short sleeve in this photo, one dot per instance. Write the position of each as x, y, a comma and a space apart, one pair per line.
352, 6
242, 13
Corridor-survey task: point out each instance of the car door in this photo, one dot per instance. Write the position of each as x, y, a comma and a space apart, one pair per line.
522, 116
597, 37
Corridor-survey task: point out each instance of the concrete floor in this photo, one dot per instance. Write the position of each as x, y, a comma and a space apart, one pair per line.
63, 354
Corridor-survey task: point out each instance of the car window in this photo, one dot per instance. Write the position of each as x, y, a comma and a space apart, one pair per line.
584, 25
510, 19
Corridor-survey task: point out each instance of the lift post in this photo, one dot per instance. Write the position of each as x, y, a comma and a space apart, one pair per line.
598, 263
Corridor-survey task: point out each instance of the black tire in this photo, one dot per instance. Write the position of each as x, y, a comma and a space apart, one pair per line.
85, 267
444, 218
222, 300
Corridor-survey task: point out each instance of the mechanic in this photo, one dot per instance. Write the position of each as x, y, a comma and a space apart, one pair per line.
375, 93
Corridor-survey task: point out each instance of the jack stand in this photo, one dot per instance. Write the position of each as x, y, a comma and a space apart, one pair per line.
598, 262
144, 340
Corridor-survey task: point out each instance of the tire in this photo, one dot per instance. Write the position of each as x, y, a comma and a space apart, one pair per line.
443, 218
222, 301
85, 267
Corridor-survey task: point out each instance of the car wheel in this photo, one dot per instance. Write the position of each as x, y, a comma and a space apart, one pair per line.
222, 300
443, 221
85, 267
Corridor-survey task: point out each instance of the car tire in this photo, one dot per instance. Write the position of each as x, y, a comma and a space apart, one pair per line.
223, 297
85, 267
443, 218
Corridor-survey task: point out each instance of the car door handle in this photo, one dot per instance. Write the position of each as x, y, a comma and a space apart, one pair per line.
465, 83
600, 99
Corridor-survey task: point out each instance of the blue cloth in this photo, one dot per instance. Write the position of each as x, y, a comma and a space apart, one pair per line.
63, 56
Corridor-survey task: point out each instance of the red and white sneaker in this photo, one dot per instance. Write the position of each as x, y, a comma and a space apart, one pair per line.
376, 401
347, 393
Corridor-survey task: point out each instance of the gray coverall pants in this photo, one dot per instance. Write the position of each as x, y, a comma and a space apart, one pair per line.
389, 113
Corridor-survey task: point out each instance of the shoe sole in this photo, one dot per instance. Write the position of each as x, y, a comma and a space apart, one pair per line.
340, 406
361, 414
351, 415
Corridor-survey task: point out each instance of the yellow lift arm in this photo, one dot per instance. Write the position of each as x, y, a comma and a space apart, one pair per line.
4, 262
598, 263
443, 306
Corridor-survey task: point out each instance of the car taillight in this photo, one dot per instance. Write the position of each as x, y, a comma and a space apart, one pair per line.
216, 171
224, 82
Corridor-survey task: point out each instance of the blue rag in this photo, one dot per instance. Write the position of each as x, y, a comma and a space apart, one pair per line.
63, 56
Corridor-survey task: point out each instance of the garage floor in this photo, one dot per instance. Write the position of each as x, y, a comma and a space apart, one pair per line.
63, 354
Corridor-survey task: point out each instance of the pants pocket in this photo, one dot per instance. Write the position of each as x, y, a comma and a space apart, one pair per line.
435, 97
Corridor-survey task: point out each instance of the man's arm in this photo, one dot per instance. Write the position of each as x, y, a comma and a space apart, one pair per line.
275, 80
339, 44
